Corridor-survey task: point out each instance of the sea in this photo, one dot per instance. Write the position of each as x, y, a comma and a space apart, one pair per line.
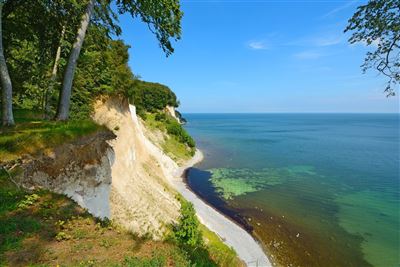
314, 189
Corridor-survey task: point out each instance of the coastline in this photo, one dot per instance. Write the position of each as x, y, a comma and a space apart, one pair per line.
246, 247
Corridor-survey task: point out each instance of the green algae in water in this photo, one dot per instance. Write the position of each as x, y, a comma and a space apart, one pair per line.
374, 216
301, 170
230, 182
351, 153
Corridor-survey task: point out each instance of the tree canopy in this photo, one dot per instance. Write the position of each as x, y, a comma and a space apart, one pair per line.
377, 24
38, 50
163, 18
152, 97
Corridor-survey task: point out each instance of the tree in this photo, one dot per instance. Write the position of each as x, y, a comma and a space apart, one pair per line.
102, 70
162, 17
7, 112
65, 93
187, 232
32, 45
152, 97
47, 106
378, 24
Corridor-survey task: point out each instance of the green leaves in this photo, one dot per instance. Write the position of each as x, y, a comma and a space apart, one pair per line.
151, 97
163, 18
187, 232
31, 44
102, 69
378, 24
28, 201
174, 128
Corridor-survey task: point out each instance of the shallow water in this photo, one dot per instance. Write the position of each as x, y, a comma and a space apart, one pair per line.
318, 189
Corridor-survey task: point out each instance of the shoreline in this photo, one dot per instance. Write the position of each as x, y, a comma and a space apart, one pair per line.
240, 221
231, 233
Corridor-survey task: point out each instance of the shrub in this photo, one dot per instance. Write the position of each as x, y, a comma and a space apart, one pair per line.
174, 128
160, 117
187, 232
28, 201
189, 237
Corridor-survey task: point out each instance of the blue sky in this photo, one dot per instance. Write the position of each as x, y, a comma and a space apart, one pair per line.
261, 56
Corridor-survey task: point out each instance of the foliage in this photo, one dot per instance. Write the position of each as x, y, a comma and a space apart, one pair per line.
102, 69
161, 117
180, 117
31, 43
32, 135
151, 97
175, 128
223, 255
10, 197
27, 235
189, 237
28, 201
175, 145
157, 261
162, 17
377, 23
204, 247
187, 231
176, 150
62, 236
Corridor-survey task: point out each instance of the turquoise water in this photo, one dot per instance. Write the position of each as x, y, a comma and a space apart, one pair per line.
331, 179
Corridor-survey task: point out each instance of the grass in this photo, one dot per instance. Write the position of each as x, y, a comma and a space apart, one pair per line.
46, 229
203, 246
220, 253
50, 229
42, 228
33, 134
177, 150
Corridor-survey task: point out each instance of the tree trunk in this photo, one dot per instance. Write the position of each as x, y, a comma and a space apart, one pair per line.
7, 112
65, 94
49, 91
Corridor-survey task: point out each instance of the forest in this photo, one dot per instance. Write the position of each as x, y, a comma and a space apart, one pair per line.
56, 57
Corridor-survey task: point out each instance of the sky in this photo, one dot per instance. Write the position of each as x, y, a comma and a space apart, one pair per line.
261, 56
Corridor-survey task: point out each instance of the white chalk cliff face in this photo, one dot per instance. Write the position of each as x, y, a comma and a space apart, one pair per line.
80, 170
124, 176
141, 197
171, 111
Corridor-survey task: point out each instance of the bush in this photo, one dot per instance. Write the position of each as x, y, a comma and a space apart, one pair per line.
174, 128
28, 201
160, 117
189, 237
187, 232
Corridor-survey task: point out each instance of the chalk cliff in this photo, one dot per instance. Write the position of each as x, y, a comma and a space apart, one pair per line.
116, 173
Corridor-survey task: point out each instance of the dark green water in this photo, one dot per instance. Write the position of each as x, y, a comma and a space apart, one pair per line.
319, 189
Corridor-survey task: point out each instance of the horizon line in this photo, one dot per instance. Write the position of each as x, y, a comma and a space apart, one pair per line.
293, 112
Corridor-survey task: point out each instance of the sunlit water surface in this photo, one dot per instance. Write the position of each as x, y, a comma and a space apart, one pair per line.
318, 189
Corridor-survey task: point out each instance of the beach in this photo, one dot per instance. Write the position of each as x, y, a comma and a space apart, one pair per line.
247, 248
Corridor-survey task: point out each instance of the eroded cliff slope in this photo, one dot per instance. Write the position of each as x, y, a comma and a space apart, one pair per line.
141, 198
118, 174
